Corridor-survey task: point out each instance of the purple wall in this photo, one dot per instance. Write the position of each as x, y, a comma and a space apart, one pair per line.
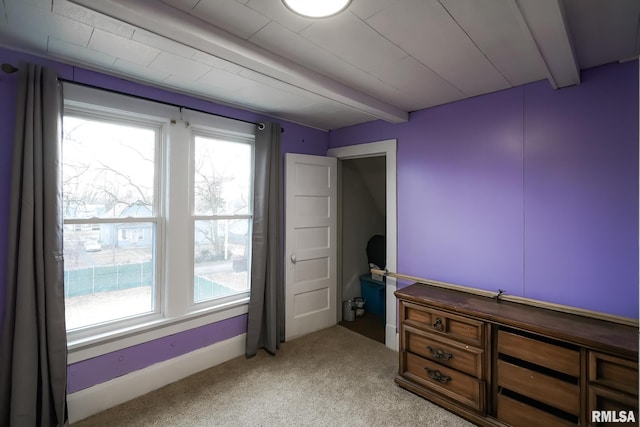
581, 191
90, 372
531, 190
457, 183
295, 139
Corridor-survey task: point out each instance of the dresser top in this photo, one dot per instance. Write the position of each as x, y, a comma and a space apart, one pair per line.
580, 330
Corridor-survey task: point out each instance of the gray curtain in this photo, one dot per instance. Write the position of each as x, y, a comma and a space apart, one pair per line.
33, 350
266, 306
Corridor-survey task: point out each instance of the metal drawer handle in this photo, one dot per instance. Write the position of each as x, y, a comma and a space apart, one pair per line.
437, 375
438, 324
439, 353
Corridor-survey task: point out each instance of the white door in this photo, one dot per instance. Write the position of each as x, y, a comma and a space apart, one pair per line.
310, 245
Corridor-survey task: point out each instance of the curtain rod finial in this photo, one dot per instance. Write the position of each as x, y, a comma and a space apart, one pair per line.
8, 68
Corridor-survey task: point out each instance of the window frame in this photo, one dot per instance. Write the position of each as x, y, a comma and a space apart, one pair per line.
95, 113
173, 311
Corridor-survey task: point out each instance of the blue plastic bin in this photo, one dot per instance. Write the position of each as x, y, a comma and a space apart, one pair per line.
374, 294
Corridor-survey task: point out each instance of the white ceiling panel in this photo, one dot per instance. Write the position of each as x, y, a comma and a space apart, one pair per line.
276, 11
244, 86
185, 5
290, 101
91, 18
231, 16
425, 30
147, 74
495, 31
121, 47
178, 65
357, 44
278, 101
272, 101
162, 43
326, 114
282, 41
379, 59
329, 114
416, 83
221, 80
271, 82
77, 53
42, 21
216, 62
275, 38
365, 9
195, 87
382, 67
399, 88
281, 100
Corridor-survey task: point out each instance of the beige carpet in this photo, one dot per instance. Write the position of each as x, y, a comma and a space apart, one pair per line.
333, 377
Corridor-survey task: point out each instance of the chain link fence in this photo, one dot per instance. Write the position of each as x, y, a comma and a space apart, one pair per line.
110, 278
107, 278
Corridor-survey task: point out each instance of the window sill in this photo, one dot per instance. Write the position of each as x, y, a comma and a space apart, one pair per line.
87, 348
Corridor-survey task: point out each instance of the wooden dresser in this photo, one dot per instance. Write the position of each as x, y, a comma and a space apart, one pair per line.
503, 363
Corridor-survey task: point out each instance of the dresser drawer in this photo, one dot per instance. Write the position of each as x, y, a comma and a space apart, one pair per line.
543, 388
516, 413
613, 372
462, 357
551, 356
456, 327
604, 399
460, 387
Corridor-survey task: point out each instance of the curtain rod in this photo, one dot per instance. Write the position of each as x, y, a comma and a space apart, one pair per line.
9, 69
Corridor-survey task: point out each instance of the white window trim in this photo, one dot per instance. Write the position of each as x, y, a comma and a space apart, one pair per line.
181, 315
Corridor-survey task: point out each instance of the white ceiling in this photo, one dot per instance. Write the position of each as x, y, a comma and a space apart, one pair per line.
380, 59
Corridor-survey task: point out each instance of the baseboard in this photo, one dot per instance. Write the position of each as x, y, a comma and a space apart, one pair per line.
100, 397
391, 337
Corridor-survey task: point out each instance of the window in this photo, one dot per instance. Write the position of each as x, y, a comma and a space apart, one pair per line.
222, 216
109, 187
157, 214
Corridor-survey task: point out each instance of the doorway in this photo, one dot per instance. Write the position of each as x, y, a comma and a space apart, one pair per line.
363, 215
371, 159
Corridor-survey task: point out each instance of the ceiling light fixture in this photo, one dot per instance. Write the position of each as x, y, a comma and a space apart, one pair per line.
316, 8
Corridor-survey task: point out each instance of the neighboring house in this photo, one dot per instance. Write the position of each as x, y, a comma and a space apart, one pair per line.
130, 234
